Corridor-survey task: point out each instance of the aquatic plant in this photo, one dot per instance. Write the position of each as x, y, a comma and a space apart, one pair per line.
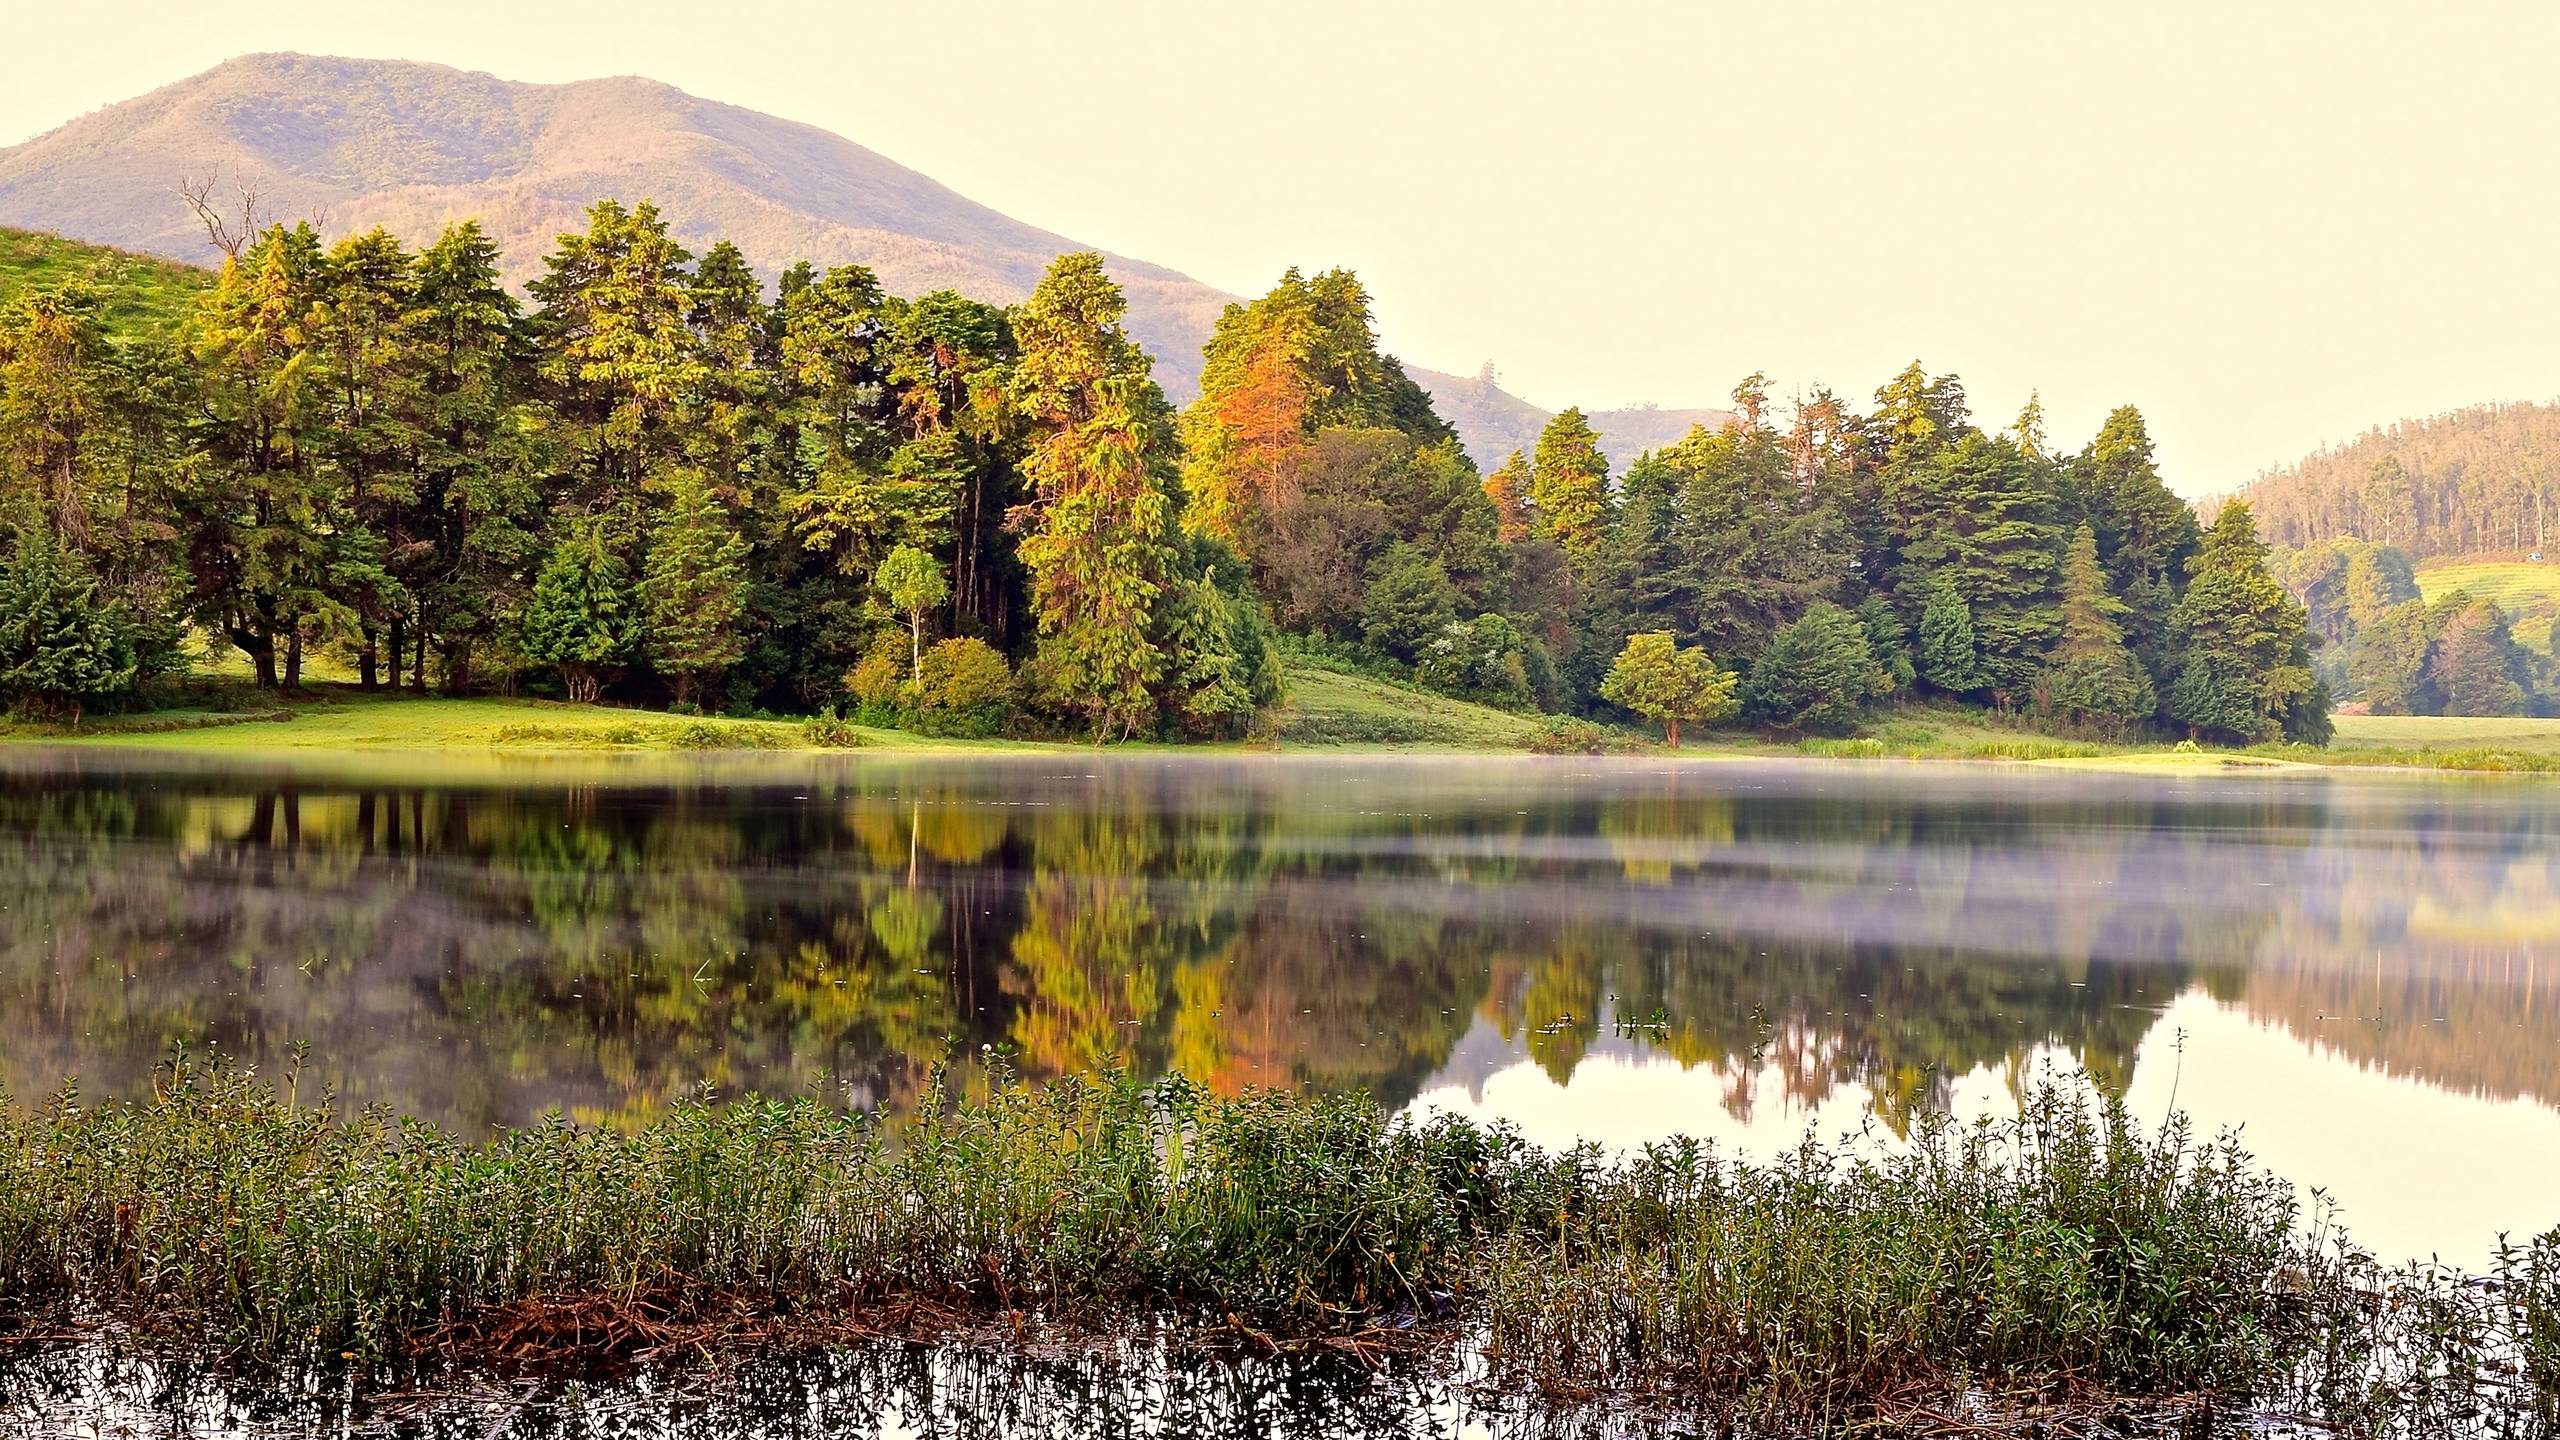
2065, 1257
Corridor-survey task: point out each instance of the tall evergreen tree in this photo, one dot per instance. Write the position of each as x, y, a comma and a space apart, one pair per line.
1569, 486
2094, 680
619, 359
2145, 533
693, 592
1950, 659
2243, 653
1099, 464
582, 616
476, 499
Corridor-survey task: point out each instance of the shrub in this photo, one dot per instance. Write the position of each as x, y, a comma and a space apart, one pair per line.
968, 689
1568, 735
875, 680
828, 731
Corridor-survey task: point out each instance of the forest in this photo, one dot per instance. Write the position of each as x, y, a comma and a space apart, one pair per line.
2477, 481
660, 480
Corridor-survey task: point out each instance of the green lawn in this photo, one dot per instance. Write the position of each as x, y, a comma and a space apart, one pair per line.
1326, 708
2448, 732
145, 295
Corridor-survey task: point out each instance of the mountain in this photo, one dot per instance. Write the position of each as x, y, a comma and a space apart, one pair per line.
409, 146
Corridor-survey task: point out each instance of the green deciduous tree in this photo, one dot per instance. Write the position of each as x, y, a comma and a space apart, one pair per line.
914, 585
1654, 677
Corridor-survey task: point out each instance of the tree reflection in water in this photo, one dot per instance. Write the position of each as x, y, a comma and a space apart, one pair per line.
479, 953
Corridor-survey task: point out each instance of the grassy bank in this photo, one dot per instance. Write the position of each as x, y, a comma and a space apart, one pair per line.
2067, 1258
1325, 710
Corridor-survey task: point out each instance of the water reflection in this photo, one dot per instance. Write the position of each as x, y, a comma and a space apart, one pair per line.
1849, 944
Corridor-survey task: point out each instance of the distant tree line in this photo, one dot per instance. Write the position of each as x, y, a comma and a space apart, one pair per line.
664, 481
2480, 481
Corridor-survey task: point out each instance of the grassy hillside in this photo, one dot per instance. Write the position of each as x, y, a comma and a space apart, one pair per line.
145, 294
1331, 707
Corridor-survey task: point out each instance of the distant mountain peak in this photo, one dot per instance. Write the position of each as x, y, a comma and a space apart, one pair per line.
411, 145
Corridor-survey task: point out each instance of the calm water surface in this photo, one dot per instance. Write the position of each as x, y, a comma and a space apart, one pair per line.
2358, 971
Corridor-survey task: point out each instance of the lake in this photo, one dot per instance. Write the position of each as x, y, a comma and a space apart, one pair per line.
2357, 971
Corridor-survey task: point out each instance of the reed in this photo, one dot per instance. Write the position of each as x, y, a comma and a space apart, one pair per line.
2064, 1257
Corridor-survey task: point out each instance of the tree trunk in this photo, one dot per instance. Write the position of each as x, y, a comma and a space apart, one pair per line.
418, 672
1671, 727
399, 648
369, 664
293, 661
915, 644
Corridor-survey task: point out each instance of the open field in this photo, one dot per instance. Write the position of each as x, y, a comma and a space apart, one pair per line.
2449, 732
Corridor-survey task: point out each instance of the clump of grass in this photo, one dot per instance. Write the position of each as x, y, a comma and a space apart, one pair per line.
2065, 1257
1859, 747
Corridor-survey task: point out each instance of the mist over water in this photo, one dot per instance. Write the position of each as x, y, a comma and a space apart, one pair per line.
2351, 969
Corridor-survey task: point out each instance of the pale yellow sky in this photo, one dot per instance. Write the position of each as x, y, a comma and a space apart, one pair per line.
2269, 225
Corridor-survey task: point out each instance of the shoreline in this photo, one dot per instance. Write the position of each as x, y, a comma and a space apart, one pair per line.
349, 727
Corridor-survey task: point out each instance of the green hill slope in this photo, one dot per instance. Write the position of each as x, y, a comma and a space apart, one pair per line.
145, 294
2529, 592
1333, 707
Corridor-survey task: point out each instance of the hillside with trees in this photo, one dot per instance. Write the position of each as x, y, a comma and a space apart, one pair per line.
2481, 481
352, 145
653, 483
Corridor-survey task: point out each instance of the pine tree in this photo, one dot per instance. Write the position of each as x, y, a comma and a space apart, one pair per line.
1569, 486
2093, 680
2145, 533
1409, 600
582, 616
2243, 653
619, 361
60, 651
694, 590
1949, 659
266, 534
474, 465
1888, 643
1815, 675
1099, 464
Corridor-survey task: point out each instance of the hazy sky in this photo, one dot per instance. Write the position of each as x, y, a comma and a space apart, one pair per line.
2268, 225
